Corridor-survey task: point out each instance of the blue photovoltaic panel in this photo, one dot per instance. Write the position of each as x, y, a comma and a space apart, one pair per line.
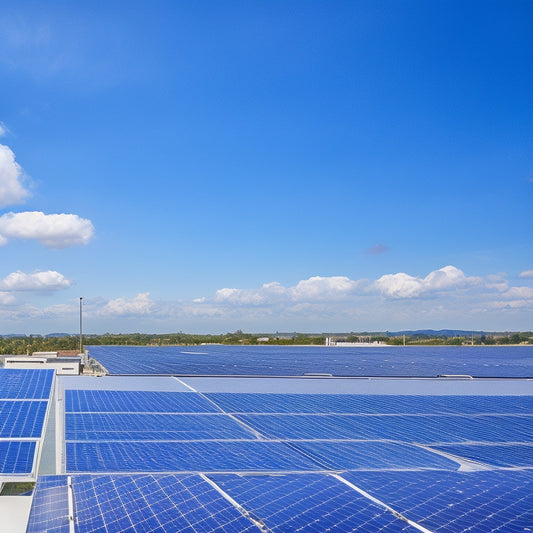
497, 455
424, 429
25, 383
16, 457
21, 419
136, 401
307, 502
49, 509
480, 361
370, 404
208, 456
134, 426
357, 455
164, 503
455, 501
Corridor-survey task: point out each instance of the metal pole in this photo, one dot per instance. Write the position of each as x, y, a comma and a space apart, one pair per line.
81, 331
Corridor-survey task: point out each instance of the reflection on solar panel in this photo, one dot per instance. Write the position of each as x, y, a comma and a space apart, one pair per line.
135, 426
136, 401
20, 419
49, 509
455, 501
307, 502
25, 383
370, 404
297, 360
197, 456
496, 455
134, 503
425, 429
16, 457
365, 455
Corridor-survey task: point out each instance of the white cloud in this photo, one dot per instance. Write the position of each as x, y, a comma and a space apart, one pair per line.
6, 298
324, 288
49, 280
403, 285
52, 231
142, 304
12, 189
526, 274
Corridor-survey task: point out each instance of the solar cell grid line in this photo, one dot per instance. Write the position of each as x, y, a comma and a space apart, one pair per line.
198, 456
49, 509
136, 401
153, 503
141, 426
455, 501
373, 455
25, 383
423, 429
307, 502
21, 419
17, 456
496, 455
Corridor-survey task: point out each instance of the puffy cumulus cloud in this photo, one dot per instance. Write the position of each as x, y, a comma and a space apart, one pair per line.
6, 298
49, 280
526, 274
324, 288
12, 189
403, 285
140, 305
52, 231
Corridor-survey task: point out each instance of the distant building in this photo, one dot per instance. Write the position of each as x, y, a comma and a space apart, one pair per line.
70, 366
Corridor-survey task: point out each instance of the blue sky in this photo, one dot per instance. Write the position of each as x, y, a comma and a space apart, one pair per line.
266, 166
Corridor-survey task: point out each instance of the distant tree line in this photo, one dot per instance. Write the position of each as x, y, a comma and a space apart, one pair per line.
20, 345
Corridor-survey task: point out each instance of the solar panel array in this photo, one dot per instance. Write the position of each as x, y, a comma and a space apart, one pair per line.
283, 462
24, 395
216, 360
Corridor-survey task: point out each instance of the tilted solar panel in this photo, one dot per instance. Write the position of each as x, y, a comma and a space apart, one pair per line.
495, 455
21, 419
308, 502
199, 456
135, 426
49, 509
136, 401
455, 501
25, 383
16, 457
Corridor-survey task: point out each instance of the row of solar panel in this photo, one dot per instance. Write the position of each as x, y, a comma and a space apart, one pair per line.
188, 402
440, 501
24, 397
267, 456
296, 361
29, 384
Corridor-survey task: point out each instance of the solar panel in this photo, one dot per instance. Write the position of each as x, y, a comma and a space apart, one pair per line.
16, 457
135, 426
21, 419
307, 502
369, 404
425, 429
49, 509
136, 401
214, 360
455, 501
367, 455
25, 383
496, 455
197, 456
